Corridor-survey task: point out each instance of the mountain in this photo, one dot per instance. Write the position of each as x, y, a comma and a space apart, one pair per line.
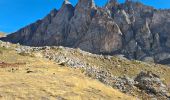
132, 29
2, 34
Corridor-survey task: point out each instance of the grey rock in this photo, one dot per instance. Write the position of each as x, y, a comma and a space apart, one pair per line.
79, 23
58, 27
4, 44
125, 84
151, 83
102, 29
131, 29
162, 57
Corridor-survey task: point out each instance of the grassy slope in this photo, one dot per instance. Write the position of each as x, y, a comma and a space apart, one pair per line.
41, 79
121, 67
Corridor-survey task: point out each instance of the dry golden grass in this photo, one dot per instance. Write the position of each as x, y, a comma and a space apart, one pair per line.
40, 79
120, 67
2, 34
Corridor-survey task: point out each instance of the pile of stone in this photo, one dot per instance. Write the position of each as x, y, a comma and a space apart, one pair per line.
151, 84
65, 60
25, 51
4, 44
125, 84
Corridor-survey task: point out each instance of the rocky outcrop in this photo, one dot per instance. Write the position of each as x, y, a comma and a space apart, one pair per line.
131, 29
79, 23
151, 83
34, 33
103, 35
57, 30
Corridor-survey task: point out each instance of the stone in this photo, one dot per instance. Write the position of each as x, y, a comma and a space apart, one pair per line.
151, 83
125, 84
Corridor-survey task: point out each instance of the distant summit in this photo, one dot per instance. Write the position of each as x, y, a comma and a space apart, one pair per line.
132, 29
2, 34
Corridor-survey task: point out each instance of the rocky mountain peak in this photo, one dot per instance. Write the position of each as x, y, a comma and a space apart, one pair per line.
67, 2
112, 2
53, 12
132, 29
112, 6
86, 4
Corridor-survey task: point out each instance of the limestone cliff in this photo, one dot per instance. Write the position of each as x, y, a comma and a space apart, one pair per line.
132, 29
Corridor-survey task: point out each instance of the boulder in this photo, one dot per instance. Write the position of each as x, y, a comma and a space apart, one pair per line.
151, 83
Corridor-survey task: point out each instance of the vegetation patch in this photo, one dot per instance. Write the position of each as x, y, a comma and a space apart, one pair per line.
5, 65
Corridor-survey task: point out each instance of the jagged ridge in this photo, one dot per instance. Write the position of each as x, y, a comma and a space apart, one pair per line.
131, 29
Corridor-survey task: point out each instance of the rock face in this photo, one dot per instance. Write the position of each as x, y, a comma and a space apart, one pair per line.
131, 29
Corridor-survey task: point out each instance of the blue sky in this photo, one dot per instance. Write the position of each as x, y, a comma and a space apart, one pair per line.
16, 14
